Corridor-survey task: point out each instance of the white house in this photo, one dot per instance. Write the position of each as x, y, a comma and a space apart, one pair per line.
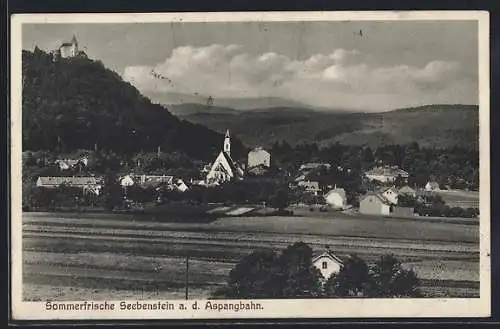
126, 181
432, 186
259, 157
181, 186
224, 169
65, 164
310, 186
391, 194
328, 264
336, 198
375, 204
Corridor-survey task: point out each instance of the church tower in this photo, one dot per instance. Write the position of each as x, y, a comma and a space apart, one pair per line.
74, 46
227, 143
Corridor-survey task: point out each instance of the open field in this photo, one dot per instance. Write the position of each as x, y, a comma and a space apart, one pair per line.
460, 198
85, 256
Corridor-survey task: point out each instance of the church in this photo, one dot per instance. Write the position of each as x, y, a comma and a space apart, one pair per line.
224, 169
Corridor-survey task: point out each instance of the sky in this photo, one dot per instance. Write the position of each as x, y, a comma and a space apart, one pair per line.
362, 65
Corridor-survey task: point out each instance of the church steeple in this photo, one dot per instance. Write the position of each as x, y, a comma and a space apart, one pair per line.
74, 46
227, 143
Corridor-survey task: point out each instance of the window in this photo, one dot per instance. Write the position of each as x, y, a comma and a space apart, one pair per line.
324, 265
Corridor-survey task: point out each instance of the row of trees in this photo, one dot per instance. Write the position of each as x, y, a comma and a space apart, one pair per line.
291, 274
274, 194
434, 205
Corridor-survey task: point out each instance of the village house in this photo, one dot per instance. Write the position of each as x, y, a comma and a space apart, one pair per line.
181, 186
386, 174
310, 186
336, 198
375, 204
153, 181
311, 166
224, 169
88, 184
407, 190
300, 178
65, 164
391, 194
259, 157
258, 170
328, 264
432, 186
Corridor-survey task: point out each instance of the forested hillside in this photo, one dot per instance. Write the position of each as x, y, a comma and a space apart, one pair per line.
77, 103
431, 126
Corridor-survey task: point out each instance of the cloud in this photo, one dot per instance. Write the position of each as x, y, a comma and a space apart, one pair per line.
342, 79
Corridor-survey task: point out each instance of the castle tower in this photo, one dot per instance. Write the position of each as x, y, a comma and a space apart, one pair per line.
227, 143
74, 46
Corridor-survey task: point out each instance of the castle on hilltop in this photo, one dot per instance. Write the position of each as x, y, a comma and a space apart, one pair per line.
68, 50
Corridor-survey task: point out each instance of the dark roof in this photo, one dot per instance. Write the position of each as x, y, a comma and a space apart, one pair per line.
231, 163
65, 44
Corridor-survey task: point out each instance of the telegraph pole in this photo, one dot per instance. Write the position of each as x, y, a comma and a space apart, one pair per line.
187, 277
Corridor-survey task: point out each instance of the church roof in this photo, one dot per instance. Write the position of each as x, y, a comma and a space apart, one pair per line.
231, 162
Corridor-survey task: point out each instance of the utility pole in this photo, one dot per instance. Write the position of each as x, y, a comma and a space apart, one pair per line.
187, 277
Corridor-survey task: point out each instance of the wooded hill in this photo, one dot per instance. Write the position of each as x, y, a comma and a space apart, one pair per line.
77, 103
430, 126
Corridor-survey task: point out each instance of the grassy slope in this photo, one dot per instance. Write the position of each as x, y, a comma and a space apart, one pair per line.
437, 125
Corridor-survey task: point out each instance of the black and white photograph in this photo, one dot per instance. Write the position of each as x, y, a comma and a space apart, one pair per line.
238, 165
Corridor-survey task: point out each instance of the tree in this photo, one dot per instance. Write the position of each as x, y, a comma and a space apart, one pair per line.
251, 277
353, 280
296, 274
263, 274
112, 191
392, 280
280, 199
406, 200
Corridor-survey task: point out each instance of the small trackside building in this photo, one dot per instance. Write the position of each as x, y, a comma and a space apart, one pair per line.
328, 264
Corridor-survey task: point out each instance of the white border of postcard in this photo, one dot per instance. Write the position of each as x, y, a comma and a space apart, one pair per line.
291, 308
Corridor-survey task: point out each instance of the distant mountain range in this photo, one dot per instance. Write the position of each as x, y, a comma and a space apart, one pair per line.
432, 125
248, 103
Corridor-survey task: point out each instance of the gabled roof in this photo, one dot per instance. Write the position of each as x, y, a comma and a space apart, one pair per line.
231, 163
406, 189
309, 184
313, 165
329, 254
379, 197
393, 189
386, 171
258, 149
74, 181
340, 191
